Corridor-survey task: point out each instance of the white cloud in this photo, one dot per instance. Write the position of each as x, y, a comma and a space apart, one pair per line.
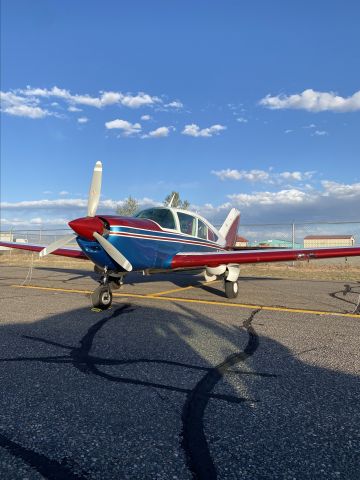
104, 99
320, 133
22, 107
26, 111
174, 104
194, 130
159, 132
262, 175
292, 176
250, 175
340, 190
64, 192
110, 98
145, 117
126, 127
332, 201
288, 197
242, 120
35, 221
82, 120
313, 101
288, 131
139, 100
74, 109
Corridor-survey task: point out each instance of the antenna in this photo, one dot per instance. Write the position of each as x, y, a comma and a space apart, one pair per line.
171, 201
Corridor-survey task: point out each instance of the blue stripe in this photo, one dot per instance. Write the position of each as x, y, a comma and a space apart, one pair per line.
162, 234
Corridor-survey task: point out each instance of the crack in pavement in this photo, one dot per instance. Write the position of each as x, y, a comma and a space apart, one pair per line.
197, 398
194, 440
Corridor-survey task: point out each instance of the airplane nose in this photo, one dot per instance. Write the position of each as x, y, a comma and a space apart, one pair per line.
86, 226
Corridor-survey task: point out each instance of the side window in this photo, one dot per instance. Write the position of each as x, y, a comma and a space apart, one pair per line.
212, 236
202, 230
187, 223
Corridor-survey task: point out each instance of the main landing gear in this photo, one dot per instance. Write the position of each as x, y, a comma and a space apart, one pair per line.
102, 295
231, 289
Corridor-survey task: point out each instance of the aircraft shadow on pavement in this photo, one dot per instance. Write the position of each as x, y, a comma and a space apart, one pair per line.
128, 392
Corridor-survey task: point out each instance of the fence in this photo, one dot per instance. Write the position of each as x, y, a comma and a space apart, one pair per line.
292, 234
286, 235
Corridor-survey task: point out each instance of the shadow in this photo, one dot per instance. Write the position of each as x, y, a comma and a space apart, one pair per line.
145, 392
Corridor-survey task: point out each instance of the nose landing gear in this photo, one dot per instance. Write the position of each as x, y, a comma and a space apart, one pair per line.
102, 295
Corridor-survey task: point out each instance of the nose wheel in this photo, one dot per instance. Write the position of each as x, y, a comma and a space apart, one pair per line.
102, 297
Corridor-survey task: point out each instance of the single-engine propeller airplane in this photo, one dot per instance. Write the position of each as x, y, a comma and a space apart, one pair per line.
162, 239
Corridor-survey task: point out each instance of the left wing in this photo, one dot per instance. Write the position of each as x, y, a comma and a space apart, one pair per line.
63, 252
205, 259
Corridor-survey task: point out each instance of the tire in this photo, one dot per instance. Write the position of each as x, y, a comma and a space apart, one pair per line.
102, 298
231, 289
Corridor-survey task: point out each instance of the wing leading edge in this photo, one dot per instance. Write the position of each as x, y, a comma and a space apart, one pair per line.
183, 260
63, 252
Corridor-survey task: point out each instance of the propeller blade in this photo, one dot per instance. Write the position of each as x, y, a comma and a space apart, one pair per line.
113, 252
95, 189
57, 244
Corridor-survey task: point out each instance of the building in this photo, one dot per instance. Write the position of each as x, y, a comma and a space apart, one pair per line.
6, 237
241, 242
312, 241
274, 243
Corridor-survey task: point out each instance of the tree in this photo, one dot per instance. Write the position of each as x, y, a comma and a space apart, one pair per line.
177, 202
128, 207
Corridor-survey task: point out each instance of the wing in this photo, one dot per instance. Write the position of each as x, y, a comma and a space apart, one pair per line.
64, 252
205, 259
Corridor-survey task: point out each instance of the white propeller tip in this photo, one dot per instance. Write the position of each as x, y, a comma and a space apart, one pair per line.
98, 166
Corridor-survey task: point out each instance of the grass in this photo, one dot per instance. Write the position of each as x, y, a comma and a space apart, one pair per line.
337, 269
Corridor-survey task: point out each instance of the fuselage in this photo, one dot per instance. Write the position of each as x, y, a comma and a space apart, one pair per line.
146, 243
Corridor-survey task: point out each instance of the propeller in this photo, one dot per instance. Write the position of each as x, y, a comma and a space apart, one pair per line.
113, 252
93, 202
90, 226
95, 189
57, 244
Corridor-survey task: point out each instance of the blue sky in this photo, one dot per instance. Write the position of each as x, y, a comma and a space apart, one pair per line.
250, 104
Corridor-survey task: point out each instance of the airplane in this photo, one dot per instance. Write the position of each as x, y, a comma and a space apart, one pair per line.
163, 239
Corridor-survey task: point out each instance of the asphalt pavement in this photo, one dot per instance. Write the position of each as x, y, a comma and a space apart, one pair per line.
175, 381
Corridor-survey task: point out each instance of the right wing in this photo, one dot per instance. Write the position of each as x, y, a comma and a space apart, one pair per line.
63, 252
214, 259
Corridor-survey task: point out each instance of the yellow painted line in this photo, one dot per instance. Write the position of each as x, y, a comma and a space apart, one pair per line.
170, 291
203, 302
180, 289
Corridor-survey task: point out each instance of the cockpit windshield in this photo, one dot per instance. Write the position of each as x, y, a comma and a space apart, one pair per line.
162, 216
185, 222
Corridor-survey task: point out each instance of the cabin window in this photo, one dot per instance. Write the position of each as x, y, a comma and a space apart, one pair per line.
202, 230
212, 236
187, 223
162, 216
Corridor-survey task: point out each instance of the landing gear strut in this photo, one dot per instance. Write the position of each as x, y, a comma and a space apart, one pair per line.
102, 295
231, 289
